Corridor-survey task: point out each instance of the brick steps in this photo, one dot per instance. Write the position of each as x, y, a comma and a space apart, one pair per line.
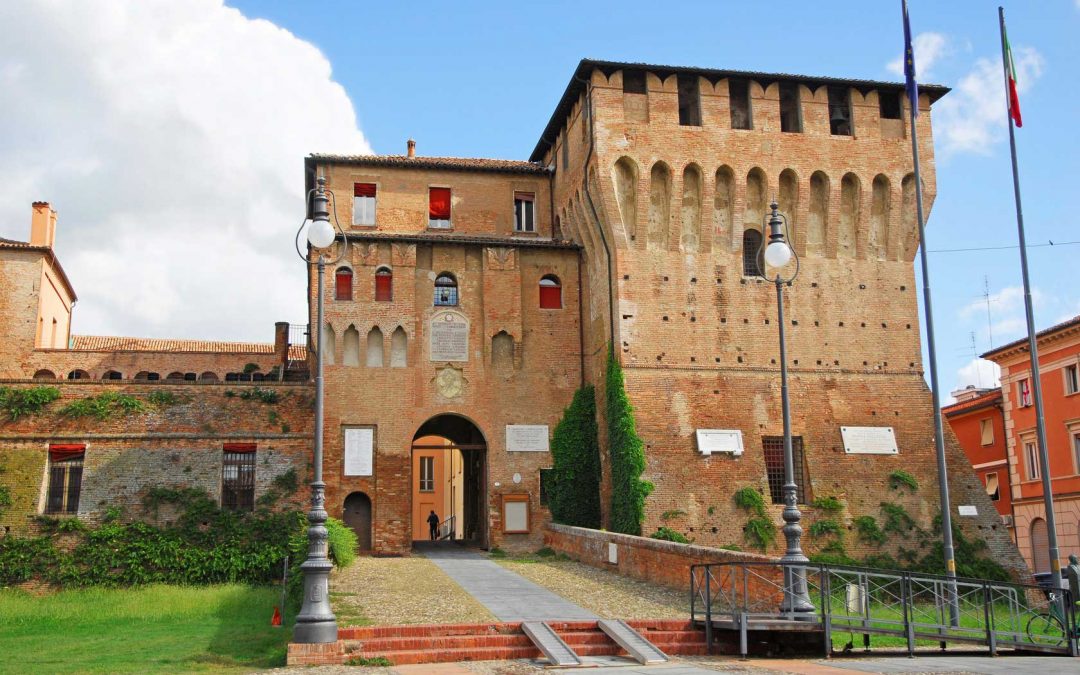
416, 644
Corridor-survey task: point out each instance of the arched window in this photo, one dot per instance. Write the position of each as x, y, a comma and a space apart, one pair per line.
189, 377
175, 377
44, 375
550, 292
78, 375
384, 285
343, 284
375, 348
446, 290
399, 345
208, 377
751, 254
112, 375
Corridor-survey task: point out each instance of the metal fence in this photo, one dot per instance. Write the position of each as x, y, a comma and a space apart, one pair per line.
908, 608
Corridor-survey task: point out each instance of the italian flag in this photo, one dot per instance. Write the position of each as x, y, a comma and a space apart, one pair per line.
1010, 72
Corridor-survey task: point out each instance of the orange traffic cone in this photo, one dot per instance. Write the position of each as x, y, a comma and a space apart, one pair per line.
276, 621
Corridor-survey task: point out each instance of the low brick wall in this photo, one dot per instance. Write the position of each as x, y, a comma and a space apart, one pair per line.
652, 560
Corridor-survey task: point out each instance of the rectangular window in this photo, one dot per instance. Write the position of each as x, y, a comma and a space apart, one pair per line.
992, 487
1076, 450
889, 105
363, 212
739, 102
65, 478
986, 430
689, 101
1072, 379
439, 207
633, 82
1031, 460
547, 484
790, 110
238, 477
524, 219
774, 467
1023, 392
840, 111
427, 474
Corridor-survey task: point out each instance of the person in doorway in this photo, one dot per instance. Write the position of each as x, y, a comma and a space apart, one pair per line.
433, 525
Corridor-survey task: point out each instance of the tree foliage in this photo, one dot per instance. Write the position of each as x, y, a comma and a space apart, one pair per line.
627, 451
575, 454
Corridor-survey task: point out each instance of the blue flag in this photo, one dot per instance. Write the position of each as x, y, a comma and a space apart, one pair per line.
909, 65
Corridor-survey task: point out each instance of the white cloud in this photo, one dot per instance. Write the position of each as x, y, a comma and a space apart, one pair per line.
170, 136
978, 373
973, 116
929, 48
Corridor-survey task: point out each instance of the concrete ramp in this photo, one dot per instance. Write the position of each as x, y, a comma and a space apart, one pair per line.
545, 638
639, 649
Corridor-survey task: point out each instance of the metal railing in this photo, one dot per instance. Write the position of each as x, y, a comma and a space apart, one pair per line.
916, 608
447, 529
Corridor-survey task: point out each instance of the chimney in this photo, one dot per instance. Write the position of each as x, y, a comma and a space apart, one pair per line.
42, 225
412, 148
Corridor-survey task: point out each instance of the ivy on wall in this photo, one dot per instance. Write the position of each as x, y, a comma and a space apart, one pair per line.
575, 454
627, 451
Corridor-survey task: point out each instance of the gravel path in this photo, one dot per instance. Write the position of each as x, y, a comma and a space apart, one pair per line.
381, 591
605, 593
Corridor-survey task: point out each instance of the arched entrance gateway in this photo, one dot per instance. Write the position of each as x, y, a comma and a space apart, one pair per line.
449, 477
356, 514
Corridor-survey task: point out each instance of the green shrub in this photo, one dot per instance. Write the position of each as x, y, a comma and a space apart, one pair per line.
5, 498
343, 542
901, 478
496, 552
897, 518
260, 394
104, 405
251, 368
380, 661
750, 499
574, 497
628, 490
546, 552
824, 527
760, 531
668, 534
731, 547
163, 398
22, 402
828, 504
672, 514
867, 530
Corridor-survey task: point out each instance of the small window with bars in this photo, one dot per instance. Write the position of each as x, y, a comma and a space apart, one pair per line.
238, 477
427, 474
65, 478
751, 254
774, 467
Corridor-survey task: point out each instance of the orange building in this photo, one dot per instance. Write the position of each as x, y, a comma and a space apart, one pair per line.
978, 420
1059, 369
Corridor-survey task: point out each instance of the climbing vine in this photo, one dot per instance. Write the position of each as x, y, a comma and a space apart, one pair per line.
628, 490
104, 405
22, 402
759, 530
575, 455
901, 478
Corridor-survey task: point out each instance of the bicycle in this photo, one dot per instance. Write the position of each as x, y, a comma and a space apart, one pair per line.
1048, 628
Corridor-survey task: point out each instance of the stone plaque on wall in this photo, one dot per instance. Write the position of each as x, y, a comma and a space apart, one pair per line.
526, 438
359, 446
449, 337
719, 440
869, 440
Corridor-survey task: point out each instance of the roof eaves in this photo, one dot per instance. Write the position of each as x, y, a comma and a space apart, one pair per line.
1021, 344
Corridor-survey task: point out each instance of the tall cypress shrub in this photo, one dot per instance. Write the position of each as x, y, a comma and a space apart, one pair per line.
627, 451
575, 498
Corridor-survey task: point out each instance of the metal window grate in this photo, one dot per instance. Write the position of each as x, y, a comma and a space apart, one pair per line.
774, 467
65, 485
751, 245
238, 481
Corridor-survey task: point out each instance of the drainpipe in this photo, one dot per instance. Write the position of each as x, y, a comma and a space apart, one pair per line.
596, 216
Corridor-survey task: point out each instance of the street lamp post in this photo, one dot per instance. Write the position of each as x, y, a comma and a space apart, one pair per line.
316, 622
777, 255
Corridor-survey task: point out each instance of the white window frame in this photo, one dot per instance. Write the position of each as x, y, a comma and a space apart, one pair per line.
1031, 458
985, 425
364, 207
1023, 392
427, 473
1071, 374
524, 207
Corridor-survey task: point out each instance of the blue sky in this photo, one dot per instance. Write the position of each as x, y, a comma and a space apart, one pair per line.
481, 79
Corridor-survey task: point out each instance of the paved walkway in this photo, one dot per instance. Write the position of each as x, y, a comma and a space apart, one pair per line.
509, 596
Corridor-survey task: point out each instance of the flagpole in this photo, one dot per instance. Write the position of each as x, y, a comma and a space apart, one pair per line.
1033, 348
947, 550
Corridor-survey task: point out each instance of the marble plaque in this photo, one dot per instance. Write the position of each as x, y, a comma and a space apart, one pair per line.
526, 438
449, 337
719, 440
968, 510
869, 440
359, 444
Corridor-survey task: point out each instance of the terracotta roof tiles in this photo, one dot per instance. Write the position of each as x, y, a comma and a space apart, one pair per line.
451, 163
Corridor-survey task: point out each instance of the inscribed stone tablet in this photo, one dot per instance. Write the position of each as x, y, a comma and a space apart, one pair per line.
526, 438
449, 337
968, 510
719, 440
869, 440
358, 451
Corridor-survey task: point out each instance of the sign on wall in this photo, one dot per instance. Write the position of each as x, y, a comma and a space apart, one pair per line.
449, 337
359, 447
869, 440
719, 440
526, 438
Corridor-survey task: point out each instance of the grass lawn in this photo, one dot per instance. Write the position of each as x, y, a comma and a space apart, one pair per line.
144, 630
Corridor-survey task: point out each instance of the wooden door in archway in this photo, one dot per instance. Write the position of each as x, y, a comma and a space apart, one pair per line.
357, 516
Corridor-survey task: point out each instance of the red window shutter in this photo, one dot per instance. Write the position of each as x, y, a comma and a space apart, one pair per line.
439, 203
239, 447
343, 285
59, 452
524, 196
550, 297
384, 287
363, 189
